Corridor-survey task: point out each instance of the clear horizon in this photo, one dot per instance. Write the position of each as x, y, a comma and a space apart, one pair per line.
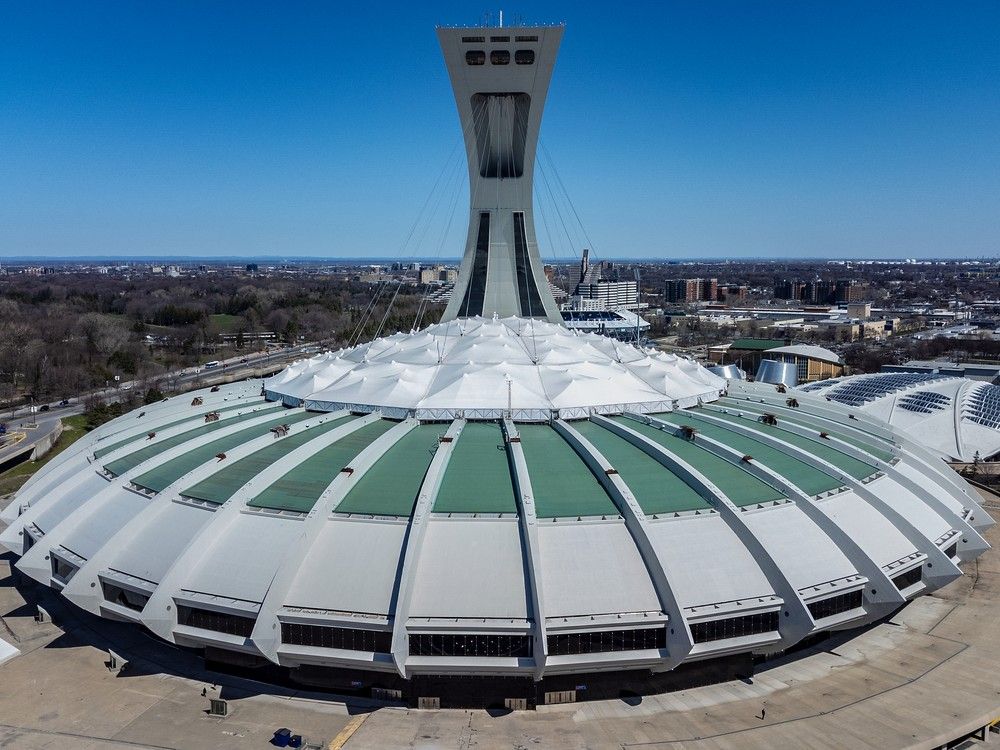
681, 131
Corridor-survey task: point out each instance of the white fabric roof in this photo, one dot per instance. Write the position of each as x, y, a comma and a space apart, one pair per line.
482, 365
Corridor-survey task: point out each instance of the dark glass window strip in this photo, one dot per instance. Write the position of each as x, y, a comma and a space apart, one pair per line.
563, 644
907, 579
952, 550
526, 38
524, 57
219, 622
349, 639
124, 597
62, 569
475, 57
499, 38
471, 39
469, 644
734, 627
835, 605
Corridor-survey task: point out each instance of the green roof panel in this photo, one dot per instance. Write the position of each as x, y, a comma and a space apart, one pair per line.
808, 479
223, 484
655, 487
478, 478
197, 417
739, 485
160, 477
299, 488
818, 447
562, 484
154, 447
391, 486
870, 443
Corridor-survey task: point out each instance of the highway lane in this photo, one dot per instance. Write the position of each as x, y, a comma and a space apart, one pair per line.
240, 367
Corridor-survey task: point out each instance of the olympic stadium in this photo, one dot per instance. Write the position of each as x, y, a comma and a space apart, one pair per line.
496, 508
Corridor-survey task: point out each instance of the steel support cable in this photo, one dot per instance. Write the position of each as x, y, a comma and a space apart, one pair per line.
450, 188
569, 200
555, 205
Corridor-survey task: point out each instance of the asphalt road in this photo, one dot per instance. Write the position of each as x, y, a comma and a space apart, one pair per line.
253, 365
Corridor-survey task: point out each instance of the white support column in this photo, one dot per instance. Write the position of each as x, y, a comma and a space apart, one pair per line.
159, 614
679, 639
796, 622
35, 562
529, 531
84, 589
961, 490
940, 568
267, 632
414, 542
880, 594
972, 543
44, 496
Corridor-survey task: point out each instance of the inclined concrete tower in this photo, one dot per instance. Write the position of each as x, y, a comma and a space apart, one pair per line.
500, 77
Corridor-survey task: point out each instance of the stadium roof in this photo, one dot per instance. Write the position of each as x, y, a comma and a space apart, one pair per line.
956, 417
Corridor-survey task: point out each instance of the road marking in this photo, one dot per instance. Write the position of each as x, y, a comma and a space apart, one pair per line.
347, 732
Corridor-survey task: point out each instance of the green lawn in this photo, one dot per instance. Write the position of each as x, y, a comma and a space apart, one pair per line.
73, 429
225, 323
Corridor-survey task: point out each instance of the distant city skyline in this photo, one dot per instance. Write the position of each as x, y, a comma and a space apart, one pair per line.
680, 131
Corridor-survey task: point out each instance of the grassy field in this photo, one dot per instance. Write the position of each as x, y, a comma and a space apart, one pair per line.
73, 429
225, 323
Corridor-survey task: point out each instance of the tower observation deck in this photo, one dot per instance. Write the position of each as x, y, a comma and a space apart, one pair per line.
500, 77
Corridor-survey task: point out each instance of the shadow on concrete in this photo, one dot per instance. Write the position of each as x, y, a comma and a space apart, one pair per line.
149, 655
630, 698
25, 610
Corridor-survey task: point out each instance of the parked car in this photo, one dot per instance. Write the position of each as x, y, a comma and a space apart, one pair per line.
44, 407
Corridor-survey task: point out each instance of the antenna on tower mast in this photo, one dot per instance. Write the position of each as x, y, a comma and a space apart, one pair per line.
501, 19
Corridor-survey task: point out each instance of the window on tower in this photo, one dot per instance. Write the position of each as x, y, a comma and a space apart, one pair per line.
524, 56
475, 57
499, 57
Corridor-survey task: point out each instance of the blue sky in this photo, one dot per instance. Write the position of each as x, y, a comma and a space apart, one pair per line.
679, 129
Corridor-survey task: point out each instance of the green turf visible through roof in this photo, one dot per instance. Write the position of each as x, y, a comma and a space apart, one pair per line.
871, 443
160, 477
562, 485
811, 481
740, 486
224, 483
655, 487
155, 447
478, 478
819, 447
300, 488
194, 417
391, 486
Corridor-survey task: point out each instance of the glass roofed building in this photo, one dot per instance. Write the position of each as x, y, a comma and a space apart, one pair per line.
495, 507
955, 417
